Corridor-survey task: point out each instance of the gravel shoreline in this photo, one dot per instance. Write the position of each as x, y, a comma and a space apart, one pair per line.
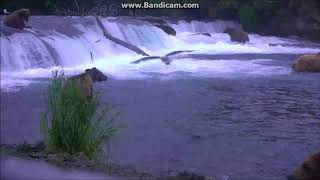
84, 167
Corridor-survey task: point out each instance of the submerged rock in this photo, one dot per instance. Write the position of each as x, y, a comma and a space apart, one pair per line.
237, 35
307, 63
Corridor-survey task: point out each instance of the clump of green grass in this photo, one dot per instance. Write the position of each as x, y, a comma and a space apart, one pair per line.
73, 122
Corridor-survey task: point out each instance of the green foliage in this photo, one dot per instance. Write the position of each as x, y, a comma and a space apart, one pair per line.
251, 13
248, 16
74, 123
229, 3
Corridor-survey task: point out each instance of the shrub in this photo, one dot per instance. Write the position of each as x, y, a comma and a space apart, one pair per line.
248, 17
74, 123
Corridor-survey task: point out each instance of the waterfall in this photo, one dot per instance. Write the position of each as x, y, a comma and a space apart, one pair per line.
24, 51
75, 43
72, 41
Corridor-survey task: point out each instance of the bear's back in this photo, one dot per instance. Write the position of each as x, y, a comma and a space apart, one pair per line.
85, 83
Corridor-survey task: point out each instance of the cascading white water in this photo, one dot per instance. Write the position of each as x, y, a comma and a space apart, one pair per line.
138, 33
196, 26
75, 43
24, 51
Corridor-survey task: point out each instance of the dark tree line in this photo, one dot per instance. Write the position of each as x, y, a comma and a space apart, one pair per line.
251, 13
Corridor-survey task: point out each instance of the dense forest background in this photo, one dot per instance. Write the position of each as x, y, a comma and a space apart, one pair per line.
279, 16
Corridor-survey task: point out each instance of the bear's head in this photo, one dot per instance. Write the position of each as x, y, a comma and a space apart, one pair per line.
228, 30
24, 14
309, 170
96, 75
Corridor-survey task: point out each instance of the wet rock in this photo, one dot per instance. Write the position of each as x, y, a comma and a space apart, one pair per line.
204, 34
76, 161
307, 63
160, 23
40, 146
61, 160
25, 147
38, 155
125, 171
8, 31
166, 28
237, 35
81, 161
71, 161
188, 176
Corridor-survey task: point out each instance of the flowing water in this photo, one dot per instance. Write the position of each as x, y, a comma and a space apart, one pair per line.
232, 111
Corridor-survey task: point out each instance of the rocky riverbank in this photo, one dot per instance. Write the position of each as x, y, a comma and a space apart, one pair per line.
82, 163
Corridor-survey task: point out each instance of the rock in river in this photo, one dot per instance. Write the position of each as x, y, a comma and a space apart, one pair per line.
307, 63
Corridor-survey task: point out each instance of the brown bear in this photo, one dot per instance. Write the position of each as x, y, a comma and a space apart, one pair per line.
17, 19
237, 35
307, 63
86, 80
309, 170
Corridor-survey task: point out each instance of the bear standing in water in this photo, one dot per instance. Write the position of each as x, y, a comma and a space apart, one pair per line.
17, 19
86, 80
237, 35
